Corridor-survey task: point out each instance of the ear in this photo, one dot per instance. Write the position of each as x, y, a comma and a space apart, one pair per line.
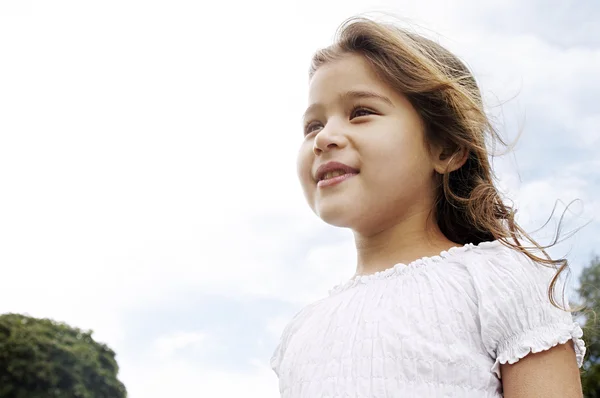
447, 159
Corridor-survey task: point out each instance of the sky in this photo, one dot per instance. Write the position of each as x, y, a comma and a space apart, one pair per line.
148, 165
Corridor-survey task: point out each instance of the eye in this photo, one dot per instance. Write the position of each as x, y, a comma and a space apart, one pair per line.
311, 127
360, 111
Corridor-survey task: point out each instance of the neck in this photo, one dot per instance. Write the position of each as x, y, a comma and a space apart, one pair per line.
406, 241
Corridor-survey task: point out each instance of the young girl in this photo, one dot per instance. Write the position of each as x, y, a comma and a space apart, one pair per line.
447, 300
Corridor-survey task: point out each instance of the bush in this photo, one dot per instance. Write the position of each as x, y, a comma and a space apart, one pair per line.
43, 358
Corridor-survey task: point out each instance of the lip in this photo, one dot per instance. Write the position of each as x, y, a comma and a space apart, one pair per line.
332, 166
335, 180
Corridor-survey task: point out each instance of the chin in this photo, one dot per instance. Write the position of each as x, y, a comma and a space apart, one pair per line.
337, 216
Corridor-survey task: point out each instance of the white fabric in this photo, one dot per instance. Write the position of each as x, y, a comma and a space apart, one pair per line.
437, 327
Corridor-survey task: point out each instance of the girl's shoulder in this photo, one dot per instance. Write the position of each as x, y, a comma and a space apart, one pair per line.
515, 311
506, 277
492, 255
497, 268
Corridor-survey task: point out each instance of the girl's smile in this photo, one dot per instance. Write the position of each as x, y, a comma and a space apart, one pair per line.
332, 173
334, 179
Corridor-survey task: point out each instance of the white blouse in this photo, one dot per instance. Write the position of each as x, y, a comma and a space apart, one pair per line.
437, 327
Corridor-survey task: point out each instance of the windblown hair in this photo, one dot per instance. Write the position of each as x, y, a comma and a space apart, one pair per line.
468, 207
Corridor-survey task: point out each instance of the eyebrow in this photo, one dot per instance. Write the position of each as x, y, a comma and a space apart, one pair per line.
353, 94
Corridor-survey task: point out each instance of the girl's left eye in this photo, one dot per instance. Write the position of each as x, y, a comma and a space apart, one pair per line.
360, 111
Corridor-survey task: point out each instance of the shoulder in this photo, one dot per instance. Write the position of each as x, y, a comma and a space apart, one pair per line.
508, 280
289, 331
490, 265
514, 307
502, 268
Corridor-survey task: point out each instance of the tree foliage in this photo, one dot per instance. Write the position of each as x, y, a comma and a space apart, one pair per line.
43, 358
589, 292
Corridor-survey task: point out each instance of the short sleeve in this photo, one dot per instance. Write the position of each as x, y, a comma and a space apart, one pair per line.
515, 312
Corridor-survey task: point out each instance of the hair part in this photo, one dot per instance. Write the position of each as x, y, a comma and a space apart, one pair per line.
468, 206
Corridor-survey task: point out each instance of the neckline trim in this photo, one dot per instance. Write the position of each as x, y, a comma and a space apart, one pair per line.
418, 263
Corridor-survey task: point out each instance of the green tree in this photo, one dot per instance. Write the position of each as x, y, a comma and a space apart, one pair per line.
43, 358
589, 292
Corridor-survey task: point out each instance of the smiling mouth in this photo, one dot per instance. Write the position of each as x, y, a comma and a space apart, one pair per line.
334, 177
332, 174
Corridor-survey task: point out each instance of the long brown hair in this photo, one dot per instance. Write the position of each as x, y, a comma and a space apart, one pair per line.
469, 207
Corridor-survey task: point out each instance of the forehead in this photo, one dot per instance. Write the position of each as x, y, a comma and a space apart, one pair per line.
351, 72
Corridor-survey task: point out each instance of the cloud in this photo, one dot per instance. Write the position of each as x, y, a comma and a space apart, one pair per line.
560, 23
176, 378
166, 346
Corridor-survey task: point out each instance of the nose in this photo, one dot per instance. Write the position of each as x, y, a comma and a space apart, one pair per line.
330, 137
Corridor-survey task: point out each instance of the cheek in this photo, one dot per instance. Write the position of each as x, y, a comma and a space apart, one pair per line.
403, 159
304, 166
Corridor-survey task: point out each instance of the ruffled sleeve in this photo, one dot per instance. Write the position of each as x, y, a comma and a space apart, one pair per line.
515, 312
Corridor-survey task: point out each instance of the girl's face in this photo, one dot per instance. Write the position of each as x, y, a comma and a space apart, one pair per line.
357, 120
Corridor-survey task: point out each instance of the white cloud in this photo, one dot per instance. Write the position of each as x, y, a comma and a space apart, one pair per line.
183, 379
275, 326
16, 8
166, 346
